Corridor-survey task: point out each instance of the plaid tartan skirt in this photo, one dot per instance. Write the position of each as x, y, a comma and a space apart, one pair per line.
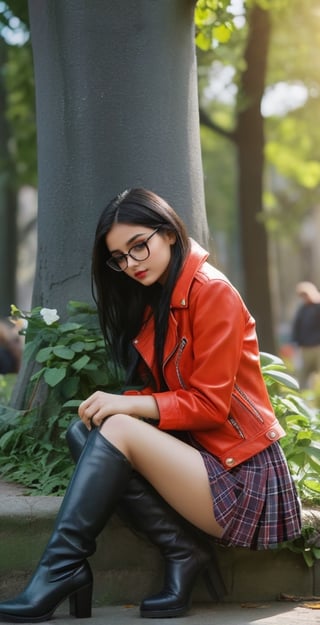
256, 502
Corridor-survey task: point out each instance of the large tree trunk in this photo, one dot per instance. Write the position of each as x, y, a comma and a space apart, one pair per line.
250, 145
117, 106
8, 228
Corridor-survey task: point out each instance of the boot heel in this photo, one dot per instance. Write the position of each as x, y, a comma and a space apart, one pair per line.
80, 602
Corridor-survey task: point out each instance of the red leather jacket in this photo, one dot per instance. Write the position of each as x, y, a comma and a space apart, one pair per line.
211, 366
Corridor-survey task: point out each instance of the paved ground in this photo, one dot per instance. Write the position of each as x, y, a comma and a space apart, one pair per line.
280, 613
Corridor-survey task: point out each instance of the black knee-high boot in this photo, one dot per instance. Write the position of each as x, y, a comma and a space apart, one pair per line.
63, 570
186, 551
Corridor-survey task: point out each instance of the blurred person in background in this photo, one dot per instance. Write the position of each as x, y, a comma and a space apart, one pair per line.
306, 333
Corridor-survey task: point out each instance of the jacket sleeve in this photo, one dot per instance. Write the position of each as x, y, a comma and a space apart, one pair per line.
218, 321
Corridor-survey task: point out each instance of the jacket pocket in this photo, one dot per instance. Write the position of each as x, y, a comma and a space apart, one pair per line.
236, 426
243, 407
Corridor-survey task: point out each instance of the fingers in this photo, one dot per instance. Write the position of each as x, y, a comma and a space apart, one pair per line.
98, 407
91, 411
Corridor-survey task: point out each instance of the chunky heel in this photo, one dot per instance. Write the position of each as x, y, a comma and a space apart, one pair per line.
80, 602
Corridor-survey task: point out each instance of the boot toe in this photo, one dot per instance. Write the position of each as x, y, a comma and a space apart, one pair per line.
164, 605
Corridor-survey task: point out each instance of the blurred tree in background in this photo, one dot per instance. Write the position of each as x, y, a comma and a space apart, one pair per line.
18, 160
259, 101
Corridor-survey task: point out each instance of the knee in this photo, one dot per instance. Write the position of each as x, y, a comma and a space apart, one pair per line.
118, 424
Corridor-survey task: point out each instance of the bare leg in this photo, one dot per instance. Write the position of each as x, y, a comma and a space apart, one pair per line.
174, 468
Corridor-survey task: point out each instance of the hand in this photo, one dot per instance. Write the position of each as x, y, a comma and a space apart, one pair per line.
99, 406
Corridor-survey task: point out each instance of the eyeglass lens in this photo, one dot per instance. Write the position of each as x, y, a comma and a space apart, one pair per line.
139, 252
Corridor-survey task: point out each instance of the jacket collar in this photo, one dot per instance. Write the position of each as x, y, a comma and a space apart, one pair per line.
195, 258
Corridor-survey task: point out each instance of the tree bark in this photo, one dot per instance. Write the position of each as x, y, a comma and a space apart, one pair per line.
8, 209
248, 138
249, 135
117, 107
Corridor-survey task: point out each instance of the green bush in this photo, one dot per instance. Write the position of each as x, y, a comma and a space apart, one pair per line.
71, 362
301, 446
301, 422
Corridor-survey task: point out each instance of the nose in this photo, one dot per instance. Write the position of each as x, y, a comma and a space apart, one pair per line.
131, 262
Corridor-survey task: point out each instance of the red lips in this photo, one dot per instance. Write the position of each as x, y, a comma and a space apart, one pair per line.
140, 274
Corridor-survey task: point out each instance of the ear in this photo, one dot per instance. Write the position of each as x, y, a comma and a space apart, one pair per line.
171, 237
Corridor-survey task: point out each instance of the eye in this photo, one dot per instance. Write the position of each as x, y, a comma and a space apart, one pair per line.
138, 247
118, 258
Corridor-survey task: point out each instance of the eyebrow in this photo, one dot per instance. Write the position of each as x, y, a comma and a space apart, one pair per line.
131, 240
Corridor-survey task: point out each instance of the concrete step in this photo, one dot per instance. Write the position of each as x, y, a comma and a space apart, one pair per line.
127, 568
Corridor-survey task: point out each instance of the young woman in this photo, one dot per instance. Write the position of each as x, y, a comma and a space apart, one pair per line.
192, 454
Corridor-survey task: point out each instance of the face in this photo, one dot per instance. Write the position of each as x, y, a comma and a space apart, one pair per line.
122, 237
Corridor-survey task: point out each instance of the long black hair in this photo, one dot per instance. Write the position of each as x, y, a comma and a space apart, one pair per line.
120, 300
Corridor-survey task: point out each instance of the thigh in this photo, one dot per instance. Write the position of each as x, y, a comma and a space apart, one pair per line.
174, 468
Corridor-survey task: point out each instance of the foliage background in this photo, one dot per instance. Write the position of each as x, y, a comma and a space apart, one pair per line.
290, 105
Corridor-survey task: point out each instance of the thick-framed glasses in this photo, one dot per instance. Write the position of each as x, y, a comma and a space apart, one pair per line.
139, 251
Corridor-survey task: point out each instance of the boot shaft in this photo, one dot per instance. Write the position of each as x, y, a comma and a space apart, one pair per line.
99, 480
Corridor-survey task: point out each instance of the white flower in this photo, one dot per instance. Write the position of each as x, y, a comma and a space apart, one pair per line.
49, 315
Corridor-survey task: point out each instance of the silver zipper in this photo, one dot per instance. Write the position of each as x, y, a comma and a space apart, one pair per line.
248, 401
182, 345
179, 349
236, 426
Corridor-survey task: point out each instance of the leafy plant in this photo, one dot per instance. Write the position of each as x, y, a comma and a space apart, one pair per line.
301, 423
301, 446
308, 544
71, 363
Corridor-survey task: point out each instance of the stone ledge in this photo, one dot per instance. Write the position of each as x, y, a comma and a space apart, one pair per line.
126, 567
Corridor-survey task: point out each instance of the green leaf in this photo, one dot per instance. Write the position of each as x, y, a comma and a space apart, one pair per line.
79, 364
70, 386
38, 374
69, 326
313, 485
54, 376
284, 379
78, 346
267, 359
222, 33
6, 438
307, 554
63, 352
203, 42
44, 354
72, 403
302, 406
7, 413
90, 346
